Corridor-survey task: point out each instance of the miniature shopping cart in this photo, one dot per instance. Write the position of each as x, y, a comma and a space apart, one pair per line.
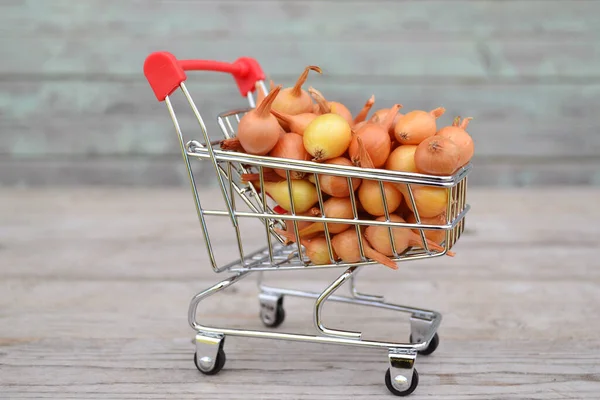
242, 201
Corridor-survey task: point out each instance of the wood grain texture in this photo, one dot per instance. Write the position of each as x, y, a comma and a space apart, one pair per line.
100, 118
98, 310
72, 83
313, 33
170, 171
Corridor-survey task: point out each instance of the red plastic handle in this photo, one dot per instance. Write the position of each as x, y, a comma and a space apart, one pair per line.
165, 73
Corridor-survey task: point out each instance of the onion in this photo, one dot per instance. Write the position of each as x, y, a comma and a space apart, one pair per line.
336, 186
402, 159
379, 116
435, 235
304, 194
437, 155
415, 126
376, 140
370, 198
362, 114
334, 107
335, 207
290, 145
458, 134
295, 123
327, 136
430, 200
294, 100
317, 251
258, 130
379, 238
269, 175
312, 212
347, 248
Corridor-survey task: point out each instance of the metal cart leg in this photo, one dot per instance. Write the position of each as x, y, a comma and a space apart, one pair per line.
402, 378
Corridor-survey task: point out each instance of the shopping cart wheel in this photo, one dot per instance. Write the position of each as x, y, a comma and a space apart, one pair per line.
413, 384
218, 365
435, 342
272, 313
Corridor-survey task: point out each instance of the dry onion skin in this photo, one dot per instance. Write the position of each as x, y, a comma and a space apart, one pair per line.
402, 159
291, 146
375, 138
435, 235
324, 106
437, 155
327, 136
258, 130
458, 134
379, 238
430, 200
294, 100
416, 126
347, 248
336, 186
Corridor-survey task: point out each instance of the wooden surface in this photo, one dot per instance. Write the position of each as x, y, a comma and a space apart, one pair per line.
74, 97
96, 283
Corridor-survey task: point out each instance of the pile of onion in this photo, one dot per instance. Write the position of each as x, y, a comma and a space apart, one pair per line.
301, 125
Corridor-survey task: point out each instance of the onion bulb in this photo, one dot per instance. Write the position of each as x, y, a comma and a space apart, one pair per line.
415, 126
295, 123
294, 100
371, 200
458, 134
379, 116
347, 248
362, 114
312, 212
336, 186
430, 200
258, 130
304, 194
435, 235
268, 176
402, 159
327, 136
290, 145
375, 138
317, 251
334, 107
379, 238
333, 208
437, 155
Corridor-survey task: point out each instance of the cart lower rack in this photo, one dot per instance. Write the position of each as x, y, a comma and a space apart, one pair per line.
245, 201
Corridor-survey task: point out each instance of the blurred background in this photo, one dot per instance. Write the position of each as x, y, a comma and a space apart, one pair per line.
76, 109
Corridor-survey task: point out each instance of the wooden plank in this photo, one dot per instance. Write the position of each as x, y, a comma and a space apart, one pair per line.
516, 321
170, 171
481, 45
159, 368
348, 20
104, 118
510, 226
439, 58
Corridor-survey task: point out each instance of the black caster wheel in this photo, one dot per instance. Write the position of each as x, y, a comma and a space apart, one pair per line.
435, 342
218, 366
273, 319
413, 384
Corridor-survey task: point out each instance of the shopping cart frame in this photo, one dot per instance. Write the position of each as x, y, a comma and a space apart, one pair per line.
166, 74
